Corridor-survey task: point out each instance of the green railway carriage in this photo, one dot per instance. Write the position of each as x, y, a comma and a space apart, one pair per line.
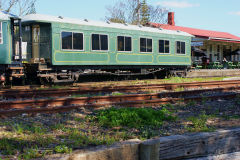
10, 57
5, 39
56, 45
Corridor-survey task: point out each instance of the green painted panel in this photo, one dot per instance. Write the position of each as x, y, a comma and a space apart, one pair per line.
5, 47
174, 60
128, 58
81, 57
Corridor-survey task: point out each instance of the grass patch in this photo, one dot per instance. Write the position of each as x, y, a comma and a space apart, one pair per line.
199, 124
179, 89
182, 80
20, 128
62, 149
145, 122
118, 94
79, 138
133, 117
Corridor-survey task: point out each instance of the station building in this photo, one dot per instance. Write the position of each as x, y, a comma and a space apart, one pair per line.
217, 45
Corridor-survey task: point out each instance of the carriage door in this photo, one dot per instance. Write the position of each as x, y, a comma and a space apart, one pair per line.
35, 42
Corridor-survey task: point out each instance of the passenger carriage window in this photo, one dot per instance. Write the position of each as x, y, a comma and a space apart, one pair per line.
104, 42
95, 42
99, 42
164, 46
78, 41
1, 35
180, 47
145, 45
149, 45
72, 41
128, 44
124, 43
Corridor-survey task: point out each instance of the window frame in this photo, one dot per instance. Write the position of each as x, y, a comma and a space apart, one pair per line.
146, 44
1, 37
164, 46
124, 43
180, 47
72, 42
99, 42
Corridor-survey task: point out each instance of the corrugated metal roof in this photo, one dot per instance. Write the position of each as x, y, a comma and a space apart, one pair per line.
47, 18
199, 32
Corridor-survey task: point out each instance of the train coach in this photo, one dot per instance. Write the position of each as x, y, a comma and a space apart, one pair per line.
61, 49
10, 48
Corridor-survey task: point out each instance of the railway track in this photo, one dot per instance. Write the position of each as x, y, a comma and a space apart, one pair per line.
17, 94
11, 108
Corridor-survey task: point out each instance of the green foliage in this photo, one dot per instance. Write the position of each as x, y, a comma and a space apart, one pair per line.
199, 124
179, 89
43, 140
80, 138
117, 94
11, 146
58, 126
148, 132
62, 149
30, 153
133, 117
191, 103
20, 128
7, 146
182, 80
169, 106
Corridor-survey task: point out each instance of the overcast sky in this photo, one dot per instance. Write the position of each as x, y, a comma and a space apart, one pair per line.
218, 15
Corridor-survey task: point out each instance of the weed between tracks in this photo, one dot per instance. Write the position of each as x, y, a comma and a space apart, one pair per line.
137, 82
26, 137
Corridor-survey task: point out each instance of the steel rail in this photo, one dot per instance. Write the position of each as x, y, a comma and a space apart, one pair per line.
136, 103
101, 100
7, 94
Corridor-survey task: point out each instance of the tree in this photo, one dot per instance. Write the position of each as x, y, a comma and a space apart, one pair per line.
145, 16
135, 11
18, 7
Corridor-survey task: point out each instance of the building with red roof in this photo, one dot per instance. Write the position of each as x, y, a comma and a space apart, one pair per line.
216, 44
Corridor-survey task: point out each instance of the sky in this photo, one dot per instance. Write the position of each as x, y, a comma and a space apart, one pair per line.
216, 15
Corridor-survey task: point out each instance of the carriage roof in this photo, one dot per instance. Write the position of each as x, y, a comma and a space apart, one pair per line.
59, 19
6, 16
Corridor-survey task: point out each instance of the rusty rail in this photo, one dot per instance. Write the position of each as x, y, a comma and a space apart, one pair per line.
8, 94
10, 108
